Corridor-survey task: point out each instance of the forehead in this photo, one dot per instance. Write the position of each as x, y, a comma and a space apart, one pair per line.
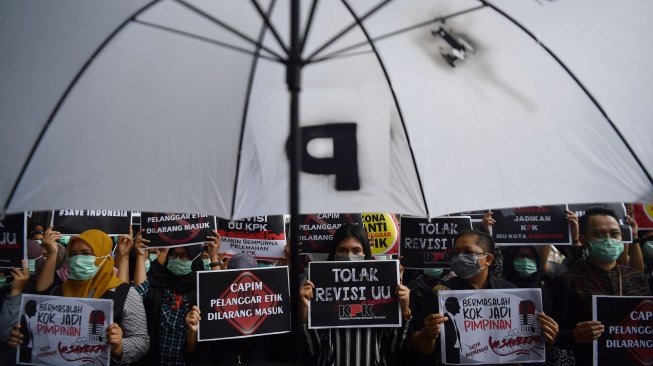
79, 245
179, 251
349, 243
603, 223
468, 242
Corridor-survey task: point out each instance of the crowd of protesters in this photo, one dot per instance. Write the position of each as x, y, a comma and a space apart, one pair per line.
156, 318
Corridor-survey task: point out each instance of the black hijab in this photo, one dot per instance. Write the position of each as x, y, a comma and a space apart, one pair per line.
159, 276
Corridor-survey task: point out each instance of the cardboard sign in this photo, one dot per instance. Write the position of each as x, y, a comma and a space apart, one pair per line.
13, 239
240, 303
429, 244
383, 232
643, 213
64, 330
75, 222
491, 326
352, 294
261, 236
628, 335
618, 208
316, 230
531, 225
173, 230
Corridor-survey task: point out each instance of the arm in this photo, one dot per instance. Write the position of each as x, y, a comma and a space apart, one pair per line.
46, 276
306, 294
543, 251
141, 256
135, 341
214, 249
487, 222
11, 307
125, 245
636, 259
424, 339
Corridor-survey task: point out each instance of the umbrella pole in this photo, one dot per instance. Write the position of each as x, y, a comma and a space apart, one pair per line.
293, 79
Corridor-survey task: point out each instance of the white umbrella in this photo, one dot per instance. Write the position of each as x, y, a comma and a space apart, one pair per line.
183, 105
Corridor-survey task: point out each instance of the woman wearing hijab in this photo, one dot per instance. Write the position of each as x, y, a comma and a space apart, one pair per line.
354, 346
92, 276
169, 292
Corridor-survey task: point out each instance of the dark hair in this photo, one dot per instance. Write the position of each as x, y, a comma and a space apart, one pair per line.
583, 221
350, 230
482, 239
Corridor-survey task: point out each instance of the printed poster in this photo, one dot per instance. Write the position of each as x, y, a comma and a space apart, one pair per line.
316, 230
643, 213
491, 326
429, 243
352, 294
13, 239
64, 330
531, 225
628, 335
75, 222
261, 236
383, 232
238, 303
619, 208
173, 230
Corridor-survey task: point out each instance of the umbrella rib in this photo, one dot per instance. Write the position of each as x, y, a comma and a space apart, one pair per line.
580, 84
250, 84
228, 28
308, 26
394, 97
398, 31
266, 19
346, 30
208, 40
70, 87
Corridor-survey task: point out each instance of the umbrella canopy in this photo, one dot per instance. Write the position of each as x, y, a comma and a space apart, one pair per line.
183, 105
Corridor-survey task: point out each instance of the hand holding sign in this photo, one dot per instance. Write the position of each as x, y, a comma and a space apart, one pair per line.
49, 241
21, 276
306, 294
214, 246
15, 337
193, 319
114, 337
403, 296
574, 229
432, 325
487, 222
549, 328
587, 332
125, 243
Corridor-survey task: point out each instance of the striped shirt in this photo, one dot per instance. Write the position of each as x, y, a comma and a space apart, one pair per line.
355, 346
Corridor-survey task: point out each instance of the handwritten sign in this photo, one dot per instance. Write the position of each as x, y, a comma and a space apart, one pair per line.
261, 236
354, 294
491, 326
64, 330
628, 335
241, 303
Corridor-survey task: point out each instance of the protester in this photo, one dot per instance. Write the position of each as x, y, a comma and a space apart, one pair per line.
92, 276
9, 313
169, 292
599, 274
354, 346
646, 244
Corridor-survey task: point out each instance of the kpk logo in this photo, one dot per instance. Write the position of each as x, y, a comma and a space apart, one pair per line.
357, 311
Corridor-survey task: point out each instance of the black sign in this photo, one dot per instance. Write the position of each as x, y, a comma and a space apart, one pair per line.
75, 222
170, 229
243, 303
316, 230
353, 294
628, 335
429, 243
619, 209
12, 240
531, 225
